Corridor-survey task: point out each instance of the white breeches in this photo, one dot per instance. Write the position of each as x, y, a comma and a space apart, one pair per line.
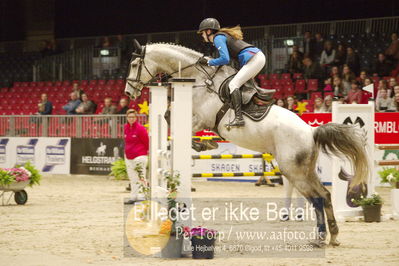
134, 175
248, 71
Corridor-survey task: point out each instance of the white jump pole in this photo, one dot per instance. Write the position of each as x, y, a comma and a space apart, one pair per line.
158, 138
181, 132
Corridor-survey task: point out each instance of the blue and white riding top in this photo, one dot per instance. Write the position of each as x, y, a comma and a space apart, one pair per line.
220, 42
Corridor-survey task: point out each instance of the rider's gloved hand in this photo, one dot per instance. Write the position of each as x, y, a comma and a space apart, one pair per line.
203, 61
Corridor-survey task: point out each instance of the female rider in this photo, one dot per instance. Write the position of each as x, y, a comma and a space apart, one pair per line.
229, 43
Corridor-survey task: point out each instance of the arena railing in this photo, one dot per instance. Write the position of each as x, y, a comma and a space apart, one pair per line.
78, 126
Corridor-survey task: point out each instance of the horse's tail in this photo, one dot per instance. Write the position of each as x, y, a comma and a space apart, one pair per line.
345, 140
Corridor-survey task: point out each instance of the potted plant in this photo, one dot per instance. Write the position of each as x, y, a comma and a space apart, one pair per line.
371, 207
202, 242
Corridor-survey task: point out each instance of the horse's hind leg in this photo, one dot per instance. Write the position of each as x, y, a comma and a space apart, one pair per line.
332, 223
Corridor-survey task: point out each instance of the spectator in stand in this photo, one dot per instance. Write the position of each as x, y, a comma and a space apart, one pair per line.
362, 77
308, 45
395, 104
367, 81
347, 77
352, 60
327, 56
44, 107
355, 93
382, 85
338, 88
327, 83
395, 91
327, 104
71, 106
340, 55
86, 106
382, 67
294, 64
393, 53
79, 91
281, 103
391, 84
291, 104
136, 154
106, 42
318, 105
295, 48
384, 102
312, 70
319, 45
109, 108
123, 106
334, 72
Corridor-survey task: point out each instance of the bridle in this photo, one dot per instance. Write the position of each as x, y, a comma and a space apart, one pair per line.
157, 78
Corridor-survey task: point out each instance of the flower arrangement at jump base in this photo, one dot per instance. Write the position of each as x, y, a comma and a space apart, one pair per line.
26, 173
371, 207
202, 241
390, 176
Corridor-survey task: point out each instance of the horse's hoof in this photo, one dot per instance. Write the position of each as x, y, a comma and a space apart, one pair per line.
318, 243
334, 243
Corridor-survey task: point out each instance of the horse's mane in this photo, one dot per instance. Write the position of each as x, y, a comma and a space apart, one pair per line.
188, 50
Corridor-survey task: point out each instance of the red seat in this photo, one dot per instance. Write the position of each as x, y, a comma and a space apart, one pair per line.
312, 85
274, 76
300, 86
297, 76
289, 90
101, 82
315, 95
50, 84
66, 83
286, 76
279, 93
17, 84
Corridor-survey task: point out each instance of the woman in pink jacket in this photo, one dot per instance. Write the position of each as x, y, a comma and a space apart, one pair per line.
136, 153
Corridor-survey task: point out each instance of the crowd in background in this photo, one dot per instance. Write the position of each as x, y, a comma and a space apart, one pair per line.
337, 70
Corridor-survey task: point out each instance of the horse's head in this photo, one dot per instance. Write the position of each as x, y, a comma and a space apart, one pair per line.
139, 72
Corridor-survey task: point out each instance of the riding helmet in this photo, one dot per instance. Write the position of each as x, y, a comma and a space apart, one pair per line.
209, 23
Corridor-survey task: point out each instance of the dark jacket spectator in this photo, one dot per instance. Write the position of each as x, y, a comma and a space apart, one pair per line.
382, 67
123, 106
327, 55
86, 106
294, 64
352, 60
308, 45
319, 45
71, 106
340, 55
393, 50
45, 107
312, 70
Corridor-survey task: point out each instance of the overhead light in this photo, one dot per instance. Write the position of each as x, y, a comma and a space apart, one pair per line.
104, 52
289, 42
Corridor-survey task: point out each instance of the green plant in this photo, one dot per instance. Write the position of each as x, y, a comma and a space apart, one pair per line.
35, 175
118, 170
5, 177
375, 199
389, 175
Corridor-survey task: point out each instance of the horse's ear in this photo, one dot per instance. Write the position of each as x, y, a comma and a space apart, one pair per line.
137, 47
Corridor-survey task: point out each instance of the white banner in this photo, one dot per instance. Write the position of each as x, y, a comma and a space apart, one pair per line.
49, 155
361, 115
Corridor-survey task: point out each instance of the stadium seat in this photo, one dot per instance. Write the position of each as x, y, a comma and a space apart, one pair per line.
312, 85
300, 86
286, 76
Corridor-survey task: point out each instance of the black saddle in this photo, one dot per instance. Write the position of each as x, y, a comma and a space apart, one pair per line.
252, 96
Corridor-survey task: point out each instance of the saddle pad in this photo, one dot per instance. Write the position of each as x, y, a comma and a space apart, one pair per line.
256, 112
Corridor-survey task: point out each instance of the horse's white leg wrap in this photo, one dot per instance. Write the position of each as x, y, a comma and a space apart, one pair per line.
248, 71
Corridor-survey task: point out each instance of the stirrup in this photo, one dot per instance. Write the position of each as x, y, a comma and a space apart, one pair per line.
236, 123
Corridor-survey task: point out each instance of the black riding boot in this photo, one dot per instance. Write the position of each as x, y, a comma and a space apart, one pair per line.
236, 101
